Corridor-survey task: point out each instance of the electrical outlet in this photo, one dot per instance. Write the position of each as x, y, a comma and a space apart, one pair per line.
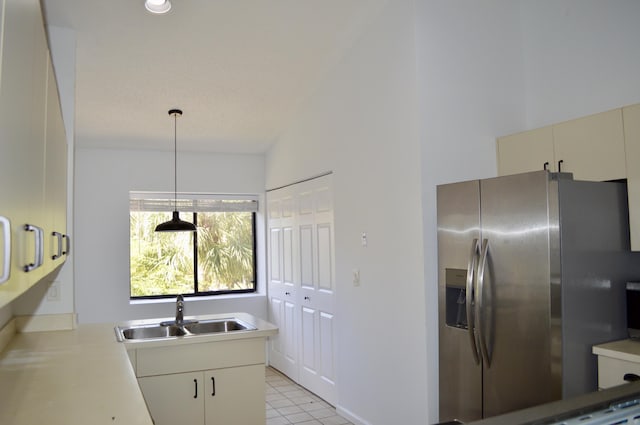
53, 294
356, 277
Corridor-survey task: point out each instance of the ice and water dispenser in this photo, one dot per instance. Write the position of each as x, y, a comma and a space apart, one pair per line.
456, 298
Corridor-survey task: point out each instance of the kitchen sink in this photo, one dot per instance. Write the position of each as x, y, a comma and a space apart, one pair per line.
215, 326
163, 330
150, 332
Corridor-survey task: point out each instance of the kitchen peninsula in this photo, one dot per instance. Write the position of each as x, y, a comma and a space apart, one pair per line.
83, 376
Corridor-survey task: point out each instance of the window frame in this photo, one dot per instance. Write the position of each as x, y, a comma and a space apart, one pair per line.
135, 196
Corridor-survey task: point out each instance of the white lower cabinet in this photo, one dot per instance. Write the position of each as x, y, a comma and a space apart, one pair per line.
213, 397
618, 362
214, 383
174, 399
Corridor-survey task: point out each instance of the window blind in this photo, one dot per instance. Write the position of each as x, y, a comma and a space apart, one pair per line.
192, 202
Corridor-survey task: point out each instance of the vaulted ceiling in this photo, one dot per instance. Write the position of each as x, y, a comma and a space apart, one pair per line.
239, 69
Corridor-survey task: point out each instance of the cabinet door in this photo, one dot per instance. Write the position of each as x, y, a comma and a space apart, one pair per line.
235, 396
526, 151
631, 116
55, 178
175, 399
22, 94
592, 148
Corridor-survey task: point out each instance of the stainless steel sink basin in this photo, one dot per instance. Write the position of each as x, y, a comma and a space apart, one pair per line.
163, 330
151, 331
215, 326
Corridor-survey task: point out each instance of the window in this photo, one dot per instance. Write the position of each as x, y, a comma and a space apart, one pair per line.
219, 258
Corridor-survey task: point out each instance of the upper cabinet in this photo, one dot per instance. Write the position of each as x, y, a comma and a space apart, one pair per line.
592, 148
526, 151
631, 117
600, 147
32, 152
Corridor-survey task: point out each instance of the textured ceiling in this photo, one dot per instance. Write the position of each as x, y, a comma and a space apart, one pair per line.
238, 69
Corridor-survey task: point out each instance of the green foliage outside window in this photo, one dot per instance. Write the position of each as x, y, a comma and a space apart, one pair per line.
163, 263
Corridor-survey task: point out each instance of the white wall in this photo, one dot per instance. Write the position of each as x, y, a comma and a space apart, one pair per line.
471, 89
361, 124
582, 57
103, 179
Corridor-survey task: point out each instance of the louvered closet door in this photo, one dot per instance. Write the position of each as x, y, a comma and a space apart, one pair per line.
314, 220
283, 348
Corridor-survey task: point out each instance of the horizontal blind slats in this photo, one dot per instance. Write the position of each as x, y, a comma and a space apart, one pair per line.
192, 202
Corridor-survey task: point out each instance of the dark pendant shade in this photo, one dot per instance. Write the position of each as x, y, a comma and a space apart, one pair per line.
176, 225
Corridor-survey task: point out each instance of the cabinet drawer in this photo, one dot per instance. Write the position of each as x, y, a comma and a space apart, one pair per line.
611, 371
192, 357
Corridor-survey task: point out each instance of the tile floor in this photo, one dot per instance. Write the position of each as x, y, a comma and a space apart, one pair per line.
289, 403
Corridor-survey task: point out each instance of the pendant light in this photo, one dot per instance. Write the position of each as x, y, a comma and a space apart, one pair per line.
175, 224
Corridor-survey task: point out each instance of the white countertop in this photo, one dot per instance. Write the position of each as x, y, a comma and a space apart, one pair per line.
625, 349
73, 377
84, 376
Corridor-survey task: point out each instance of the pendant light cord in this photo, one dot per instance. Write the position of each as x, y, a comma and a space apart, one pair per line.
175, 161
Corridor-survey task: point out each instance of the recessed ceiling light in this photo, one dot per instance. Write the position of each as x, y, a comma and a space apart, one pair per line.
157, 6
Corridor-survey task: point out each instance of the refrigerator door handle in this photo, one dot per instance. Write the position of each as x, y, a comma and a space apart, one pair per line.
471, 273
480, 302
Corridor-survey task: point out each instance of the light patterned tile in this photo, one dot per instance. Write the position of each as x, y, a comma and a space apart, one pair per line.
276, 404
274, 397
322, 413
289, 403
314, 405
278, 421
288, 410
299, 417
272, 413
294, 393
334, 420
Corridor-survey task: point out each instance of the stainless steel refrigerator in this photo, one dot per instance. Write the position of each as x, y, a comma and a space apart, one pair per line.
531, 274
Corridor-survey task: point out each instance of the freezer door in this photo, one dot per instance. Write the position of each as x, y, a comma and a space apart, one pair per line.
513, 303
460, 375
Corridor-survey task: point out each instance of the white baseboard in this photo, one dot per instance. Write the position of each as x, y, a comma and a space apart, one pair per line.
46, 322
356, 420
7, 333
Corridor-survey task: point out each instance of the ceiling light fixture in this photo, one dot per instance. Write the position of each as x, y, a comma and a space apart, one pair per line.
175, 224
157, 6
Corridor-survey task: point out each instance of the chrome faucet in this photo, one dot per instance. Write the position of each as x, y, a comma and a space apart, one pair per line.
179, 310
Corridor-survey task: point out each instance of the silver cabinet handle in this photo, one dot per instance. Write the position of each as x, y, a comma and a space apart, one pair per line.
38, 251
471, 271
6, 249
67, 244
58, 237
480, 302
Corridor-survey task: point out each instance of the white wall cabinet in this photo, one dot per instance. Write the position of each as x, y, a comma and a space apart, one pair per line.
631, 118
55, 176
592, 148
526, 151
212, 383
29, 145
599, 147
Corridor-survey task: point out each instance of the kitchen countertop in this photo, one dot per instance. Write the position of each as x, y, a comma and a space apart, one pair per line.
81, 376
84, 376
625, 349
